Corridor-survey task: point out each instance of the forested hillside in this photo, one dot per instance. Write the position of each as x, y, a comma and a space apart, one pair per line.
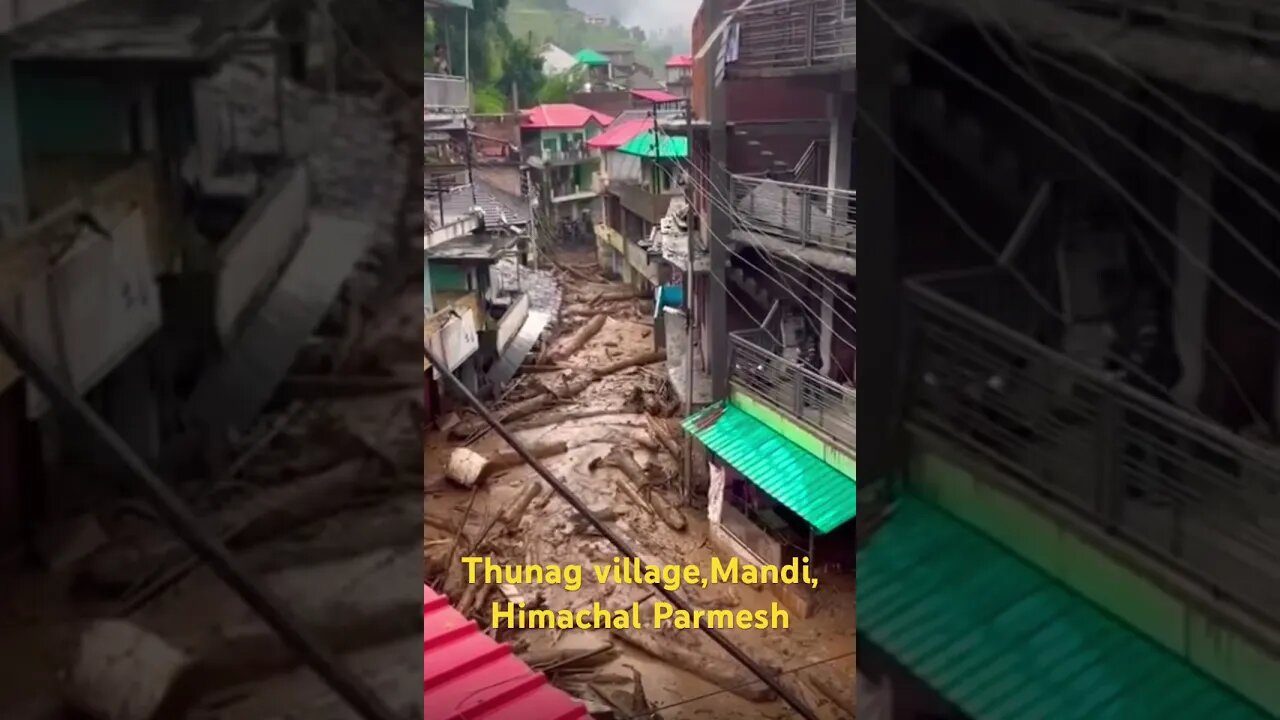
556, 21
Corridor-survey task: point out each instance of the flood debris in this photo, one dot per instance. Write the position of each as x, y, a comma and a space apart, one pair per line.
467, 467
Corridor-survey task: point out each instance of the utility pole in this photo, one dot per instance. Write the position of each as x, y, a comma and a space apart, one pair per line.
717, 315
689, 314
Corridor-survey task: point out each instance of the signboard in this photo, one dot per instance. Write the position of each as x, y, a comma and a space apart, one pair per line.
455, 342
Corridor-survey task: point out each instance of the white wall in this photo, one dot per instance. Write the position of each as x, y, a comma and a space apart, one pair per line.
106, 302
259, 247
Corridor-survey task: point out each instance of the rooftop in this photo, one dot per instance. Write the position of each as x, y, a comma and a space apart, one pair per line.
656, 96
590, 58
620, 133
677, 61
474, 247
561, 115
669, 147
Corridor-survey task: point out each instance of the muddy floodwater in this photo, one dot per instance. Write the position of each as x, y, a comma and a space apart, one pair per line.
617, 413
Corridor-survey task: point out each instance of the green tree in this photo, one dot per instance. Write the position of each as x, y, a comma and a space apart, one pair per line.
560, 88
523, 69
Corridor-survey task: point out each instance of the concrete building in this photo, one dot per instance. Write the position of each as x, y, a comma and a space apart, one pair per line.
782, 377
562, 169
1091, 339
143, 244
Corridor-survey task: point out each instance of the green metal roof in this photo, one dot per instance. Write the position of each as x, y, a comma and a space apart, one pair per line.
671, 147
1002, 640
800, 480
587, 56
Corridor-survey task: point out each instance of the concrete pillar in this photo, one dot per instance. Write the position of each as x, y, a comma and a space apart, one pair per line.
1190, 284
841, 110
13, 199
826, 315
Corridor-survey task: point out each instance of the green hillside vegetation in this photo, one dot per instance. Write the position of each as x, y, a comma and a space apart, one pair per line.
500, 59
554, 21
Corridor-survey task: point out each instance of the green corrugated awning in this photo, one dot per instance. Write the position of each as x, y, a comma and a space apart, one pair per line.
590, 58
1002, 640
825, 497
670, 147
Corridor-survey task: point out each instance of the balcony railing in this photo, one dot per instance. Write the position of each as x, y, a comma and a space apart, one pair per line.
650, 206
793, 35
823, 217
445, 93
1232, 20
815, 401
1202, 500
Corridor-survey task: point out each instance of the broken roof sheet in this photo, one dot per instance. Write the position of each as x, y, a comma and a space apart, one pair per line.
469, 676
561, 115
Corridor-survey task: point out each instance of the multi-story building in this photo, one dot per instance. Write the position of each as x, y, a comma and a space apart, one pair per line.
680, 75
1084, 524
781, 428
143, 242
561, 168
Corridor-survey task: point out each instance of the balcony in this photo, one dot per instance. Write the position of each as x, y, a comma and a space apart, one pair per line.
260, 243
805, 215
541, 157
446, 94
813, 401
646, 204
1168, 485
784, 38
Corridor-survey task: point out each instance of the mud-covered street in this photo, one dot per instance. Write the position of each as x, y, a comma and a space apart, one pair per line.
607, 424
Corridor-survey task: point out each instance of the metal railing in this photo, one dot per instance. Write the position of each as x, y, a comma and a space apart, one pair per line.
811, 399
642, 201
1250, 22
1174, 485
796, 34
807, 214
445, 93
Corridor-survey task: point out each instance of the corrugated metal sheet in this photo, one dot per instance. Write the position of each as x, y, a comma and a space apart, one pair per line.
1003, 641
817, 492
468, 676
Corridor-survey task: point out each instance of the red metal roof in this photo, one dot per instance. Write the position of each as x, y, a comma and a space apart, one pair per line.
561, 115
680, 61
468, 676
656, 96
620, 134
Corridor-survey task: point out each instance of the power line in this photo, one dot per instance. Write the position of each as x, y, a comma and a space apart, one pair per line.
609, 534
1104, 176
1058, 100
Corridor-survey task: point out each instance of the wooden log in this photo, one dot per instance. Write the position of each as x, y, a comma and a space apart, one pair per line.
648, 358
563, 417
658, 429
258, 518
842, 700
329, 386
580, 338
624, 462
594, 655
467, 467
712, 669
